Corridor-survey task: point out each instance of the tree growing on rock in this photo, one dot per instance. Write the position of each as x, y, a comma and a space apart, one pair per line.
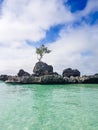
41, 51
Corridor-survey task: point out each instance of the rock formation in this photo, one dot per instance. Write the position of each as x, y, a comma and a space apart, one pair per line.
23, 80
3, 77
43, 74
23, 73
89, 79
71, 72
42, 68
52, 79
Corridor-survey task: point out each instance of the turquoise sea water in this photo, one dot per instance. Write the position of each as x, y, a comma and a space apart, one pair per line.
48, 107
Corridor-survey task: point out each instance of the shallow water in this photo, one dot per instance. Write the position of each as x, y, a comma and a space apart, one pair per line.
48, 107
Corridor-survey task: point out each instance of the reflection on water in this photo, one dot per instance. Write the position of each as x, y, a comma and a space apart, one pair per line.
48, 107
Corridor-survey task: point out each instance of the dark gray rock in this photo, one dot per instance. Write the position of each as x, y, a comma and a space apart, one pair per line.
96, 74
31, 80
3, 77
89, 79
71, 72
45, 79
42, 68
22, 73
52, 79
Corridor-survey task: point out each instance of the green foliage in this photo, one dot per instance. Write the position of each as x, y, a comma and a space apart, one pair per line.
41, 51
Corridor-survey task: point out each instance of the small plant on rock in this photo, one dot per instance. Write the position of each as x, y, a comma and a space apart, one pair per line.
41, 51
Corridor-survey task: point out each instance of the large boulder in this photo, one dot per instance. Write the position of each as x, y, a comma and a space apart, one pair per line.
71, 72
42, 68
22, 73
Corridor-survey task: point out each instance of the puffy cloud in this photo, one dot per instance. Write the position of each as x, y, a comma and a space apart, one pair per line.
29, 20
21, 20
76, 48
26, 20
16, 57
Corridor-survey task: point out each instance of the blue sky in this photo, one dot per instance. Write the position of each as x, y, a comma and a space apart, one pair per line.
68, 27
76, 5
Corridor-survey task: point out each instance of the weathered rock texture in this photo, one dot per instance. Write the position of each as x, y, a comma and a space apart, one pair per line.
52, 79
71, 72
23, 79
42, 68
3, 77
23, 73
89, 79
43, 74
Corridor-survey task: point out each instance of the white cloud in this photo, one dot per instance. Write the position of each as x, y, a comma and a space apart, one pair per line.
29, 20
68, 50
91, 6
16, 57
24, 19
